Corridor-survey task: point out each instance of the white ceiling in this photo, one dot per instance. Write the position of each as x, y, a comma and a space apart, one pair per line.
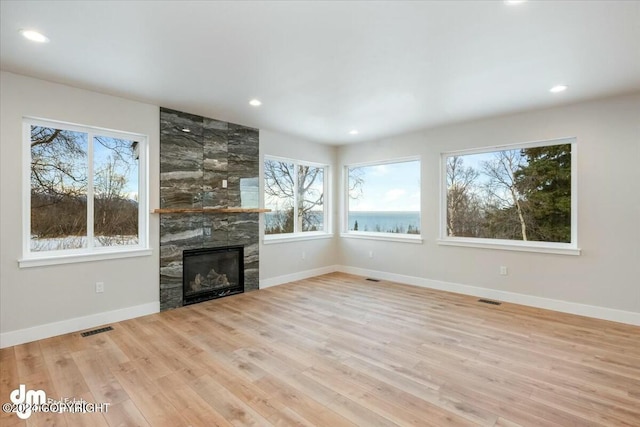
324, 68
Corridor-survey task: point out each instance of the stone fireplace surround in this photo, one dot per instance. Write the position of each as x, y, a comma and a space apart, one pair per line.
193, 166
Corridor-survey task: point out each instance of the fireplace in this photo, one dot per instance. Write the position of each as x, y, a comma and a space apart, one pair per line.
210, 273
193, 169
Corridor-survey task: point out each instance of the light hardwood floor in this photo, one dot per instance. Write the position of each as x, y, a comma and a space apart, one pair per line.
337, 350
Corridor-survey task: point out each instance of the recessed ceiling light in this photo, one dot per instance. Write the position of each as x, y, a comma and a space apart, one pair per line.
255, 103
511, 2
558, 88
186, 130
34, 36
353, 132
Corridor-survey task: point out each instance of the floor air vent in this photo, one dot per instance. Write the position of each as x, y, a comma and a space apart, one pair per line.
372, 280
96, 331
488, 301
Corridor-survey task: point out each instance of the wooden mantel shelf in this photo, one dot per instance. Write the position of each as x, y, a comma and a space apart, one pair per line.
209, 210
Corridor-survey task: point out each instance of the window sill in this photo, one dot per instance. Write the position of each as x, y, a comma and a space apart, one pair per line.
389, 237
272, 239
86, 257
507, 245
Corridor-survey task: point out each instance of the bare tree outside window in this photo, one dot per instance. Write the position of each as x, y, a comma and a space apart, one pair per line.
463, 204
59, 177
295, 194
60, 188
115, 192
310, 198
501, 189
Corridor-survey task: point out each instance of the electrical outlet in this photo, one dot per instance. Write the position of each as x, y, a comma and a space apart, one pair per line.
370, 254
304, 255
224, 183
99, 287
503, 270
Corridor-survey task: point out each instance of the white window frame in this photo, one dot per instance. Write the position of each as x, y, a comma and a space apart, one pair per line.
375, 235
560, 248
302, 235
90, 253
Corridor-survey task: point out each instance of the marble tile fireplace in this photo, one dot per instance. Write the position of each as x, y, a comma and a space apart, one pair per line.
206, 164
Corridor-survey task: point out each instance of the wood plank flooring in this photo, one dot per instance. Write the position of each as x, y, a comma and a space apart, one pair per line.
337, 350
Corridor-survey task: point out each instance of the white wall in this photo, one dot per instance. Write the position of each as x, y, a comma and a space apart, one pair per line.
282, 262
59, 298
606, 275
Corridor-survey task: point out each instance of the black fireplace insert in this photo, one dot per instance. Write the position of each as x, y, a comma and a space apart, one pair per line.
210, 273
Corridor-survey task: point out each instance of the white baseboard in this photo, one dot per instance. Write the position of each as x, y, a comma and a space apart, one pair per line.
280, 280
604, 313
8, 339
21, 336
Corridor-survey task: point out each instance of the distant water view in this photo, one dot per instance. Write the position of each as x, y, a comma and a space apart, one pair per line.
386, 222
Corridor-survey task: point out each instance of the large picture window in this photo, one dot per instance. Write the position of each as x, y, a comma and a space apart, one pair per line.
521, 194
383, 198
295, 193
85, 191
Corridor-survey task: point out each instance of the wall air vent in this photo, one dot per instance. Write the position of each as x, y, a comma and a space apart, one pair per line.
372, 280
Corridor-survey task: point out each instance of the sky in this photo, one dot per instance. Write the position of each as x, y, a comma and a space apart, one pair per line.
101, 156
476, 160
389, 188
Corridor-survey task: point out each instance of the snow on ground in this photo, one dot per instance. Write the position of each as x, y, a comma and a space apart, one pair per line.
79, 242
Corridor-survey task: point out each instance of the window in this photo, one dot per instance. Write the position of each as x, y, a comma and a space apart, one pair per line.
522, 195
295, 193
84, 190
383, 199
